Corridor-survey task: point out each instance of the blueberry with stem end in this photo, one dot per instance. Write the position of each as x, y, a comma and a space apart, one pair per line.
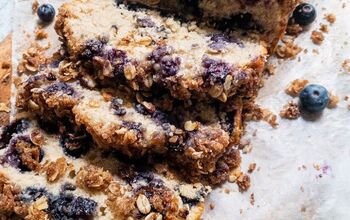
314, 98
46, 12
304, 14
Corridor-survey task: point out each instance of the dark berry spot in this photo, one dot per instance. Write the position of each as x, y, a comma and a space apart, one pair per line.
75, 144
60, 87
314, 98
67, 206
215, 71
141, 109
31, 194
304, 14
15, 127
163, 63
219, 41
117, 104
93, 48
145, 22
46, 12
68, 187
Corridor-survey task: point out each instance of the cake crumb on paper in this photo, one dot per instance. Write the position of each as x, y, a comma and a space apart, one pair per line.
211, 206
35, 6
333, 101
295, 87
251, 167
40, 34
324, 28
317, 37
288, 50
346, 65
294, 29
290, 111
330, 18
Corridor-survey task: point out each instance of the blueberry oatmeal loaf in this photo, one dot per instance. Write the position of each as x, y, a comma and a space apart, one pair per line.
202, 136
40, 180
146, 49
270, 17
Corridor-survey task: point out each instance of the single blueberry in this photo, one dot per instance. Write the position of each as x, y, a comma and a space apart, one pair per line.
304, 14
314, 98
46, 12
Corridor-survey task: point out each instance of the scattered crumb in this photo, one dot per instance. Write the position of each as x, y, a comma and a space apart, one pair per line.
316, 166
324, 28
343, 5
270, 69
294, 29
349, 107
243, 182
32, 59
315, 51
303, 209
240, 211
333, 101
251, 167
227, 191
346, 98
302, 188
247, 149
4, 108
317, 37
252, 199
346, 65
211, 206
40, 34
295, 87
288, 49
290, 111
270, 118
330, 18
35, 6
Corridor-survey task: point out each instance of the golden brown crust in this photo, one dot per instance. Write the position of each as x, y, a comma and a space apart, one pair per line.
5, 78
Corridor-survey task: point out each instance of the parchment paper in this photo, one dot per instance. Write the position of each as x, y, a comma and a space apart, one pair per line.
303, 166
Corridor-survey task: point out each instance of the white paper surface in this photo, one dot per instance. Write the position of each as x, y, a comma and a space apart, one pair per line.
278, 153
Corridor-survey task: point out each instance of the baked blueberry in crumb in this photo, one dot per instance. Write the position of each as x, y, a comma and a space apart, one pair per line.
163, 63
75, 144
31, 194
15, 127
314, 98
215, 71
304, 14
68, 187
46, 12
67, 206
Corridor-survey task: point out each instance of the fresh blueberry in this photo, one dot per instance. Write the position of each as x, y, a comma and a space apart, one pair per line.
46, 12
314, 98
304, 14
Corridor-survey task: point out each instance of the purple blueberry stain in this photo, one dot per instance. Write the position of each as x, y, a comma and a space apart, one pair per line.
68, 206
93, 48
15, 127
163, 63
215, 71
145, 22
60, 87
219, 41
116, 105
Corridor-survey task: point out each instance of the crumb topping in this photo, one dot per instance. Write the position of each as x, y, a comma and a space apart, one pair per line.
333, 101
317, 37
288, 49
296, 86
56, 170
330, 18
40, 34
290, 111
93, 178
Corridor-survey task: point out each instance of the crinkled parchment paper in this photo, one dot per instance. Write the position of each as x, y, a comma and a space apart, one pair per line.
303, 166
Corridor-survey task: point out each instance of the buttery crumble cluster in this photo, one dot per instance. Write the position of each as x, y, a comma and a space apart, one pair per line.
290, 111
295, 87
